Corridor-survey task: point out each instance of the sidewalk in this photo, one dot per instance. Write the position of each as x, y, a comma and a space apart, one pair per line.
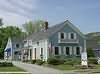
35, 69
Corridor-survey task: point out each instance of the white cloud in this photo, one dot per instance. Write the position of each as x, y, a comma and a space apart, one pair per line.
17, 12
13, 19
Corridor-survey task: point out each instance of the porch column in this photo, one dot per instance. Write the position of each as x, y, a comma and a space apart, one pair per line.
22, 54
29, 54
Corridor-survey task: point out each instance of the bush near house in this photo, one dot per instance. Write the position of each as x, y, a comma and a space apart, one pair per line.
72, 61
6, 64
33, 61
92, 60
90, 52
39, 62
68, 61
26, 61
55, 61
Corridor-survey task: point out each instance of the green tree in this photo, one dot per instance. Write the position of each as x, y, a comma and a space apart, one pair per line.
31, 27
90, 52
7, 32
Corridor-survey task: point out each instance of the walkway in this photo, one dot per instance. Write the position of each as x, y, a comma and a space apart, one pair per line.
35, 69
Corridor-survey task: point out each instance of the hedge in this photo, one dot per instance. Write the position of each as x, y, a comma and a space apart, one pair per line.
55, 61
39, 62
6, 64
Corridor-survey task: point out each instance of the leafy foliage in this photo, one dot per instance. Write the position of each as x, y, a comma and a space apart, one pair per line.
90, 53
6, 64
33, 61
92, 60
5, 33
72, 61
39, 62
55, 61
31, 27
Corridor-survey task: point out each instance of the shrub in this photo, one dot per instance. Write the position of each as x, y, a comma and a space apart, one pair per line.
55, 61
25, 61
33, 61
91, 66
72, 61
92, 60
39, 62
69, 62
5, 64
90, 52
77, 61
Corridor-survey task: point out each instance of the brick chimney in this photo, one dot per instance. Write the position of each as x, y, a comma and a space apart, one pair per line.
46, 25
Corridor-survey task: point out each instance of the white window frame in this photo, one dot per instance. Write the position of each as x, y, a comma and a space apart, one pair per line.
70, 50
59, 48
59, 35
69, 35
76, 49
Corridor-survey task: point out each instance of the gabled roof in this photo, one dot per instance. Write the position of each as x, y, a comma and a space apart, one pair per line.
49, 32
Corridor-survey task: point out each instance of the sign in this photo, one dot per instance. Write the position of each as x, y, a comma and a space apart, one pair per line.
84, 59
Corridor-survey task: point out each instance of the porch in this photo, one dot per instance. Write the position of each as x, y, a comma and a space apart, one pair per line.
23, 54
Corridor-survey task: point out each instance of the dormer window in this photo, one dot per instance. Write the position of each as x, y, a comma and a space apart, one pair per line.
72, 35
62, 35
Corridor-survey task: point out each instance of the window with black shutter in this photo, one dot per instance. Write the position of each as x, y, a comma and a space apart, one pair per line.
77, 50
56, 50
67, 51
62, 35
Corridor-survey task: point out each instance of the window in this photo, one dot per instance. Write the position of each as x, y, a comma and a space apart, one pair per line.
30, 53
17, 45
41, 55
62, 35
35, 53
38, 43
72, 35
77, 50
41, 51
56, 50
67, 50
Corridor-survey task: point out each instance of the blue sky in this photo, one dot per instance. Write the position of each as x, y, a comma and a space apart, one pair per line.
85, 14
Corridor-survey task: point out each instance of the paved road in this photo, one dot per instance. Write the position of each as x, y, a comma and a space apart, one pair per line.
35, 69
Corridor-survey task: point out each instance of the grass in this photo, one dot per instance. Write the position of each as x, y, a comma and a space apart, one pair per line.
79, 70
62, 67
11, 69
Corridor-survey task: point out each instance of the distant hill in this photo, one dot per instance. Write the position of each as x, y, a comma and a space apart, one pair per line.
93, 39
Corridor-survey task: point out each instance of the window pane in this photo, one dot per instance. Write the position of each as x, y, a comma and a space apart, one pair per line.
35, 53
62, 35
41, 51
17, 45
56, 50
67, 50
72, 35
78, 50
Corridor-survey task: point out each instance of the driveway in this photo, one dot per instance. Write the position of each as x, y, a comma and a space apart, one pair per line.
35, 69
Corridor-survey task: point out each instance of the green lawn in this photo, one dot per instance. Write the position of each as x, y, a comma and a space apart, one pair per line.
71, 68
62, 67
11, 69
